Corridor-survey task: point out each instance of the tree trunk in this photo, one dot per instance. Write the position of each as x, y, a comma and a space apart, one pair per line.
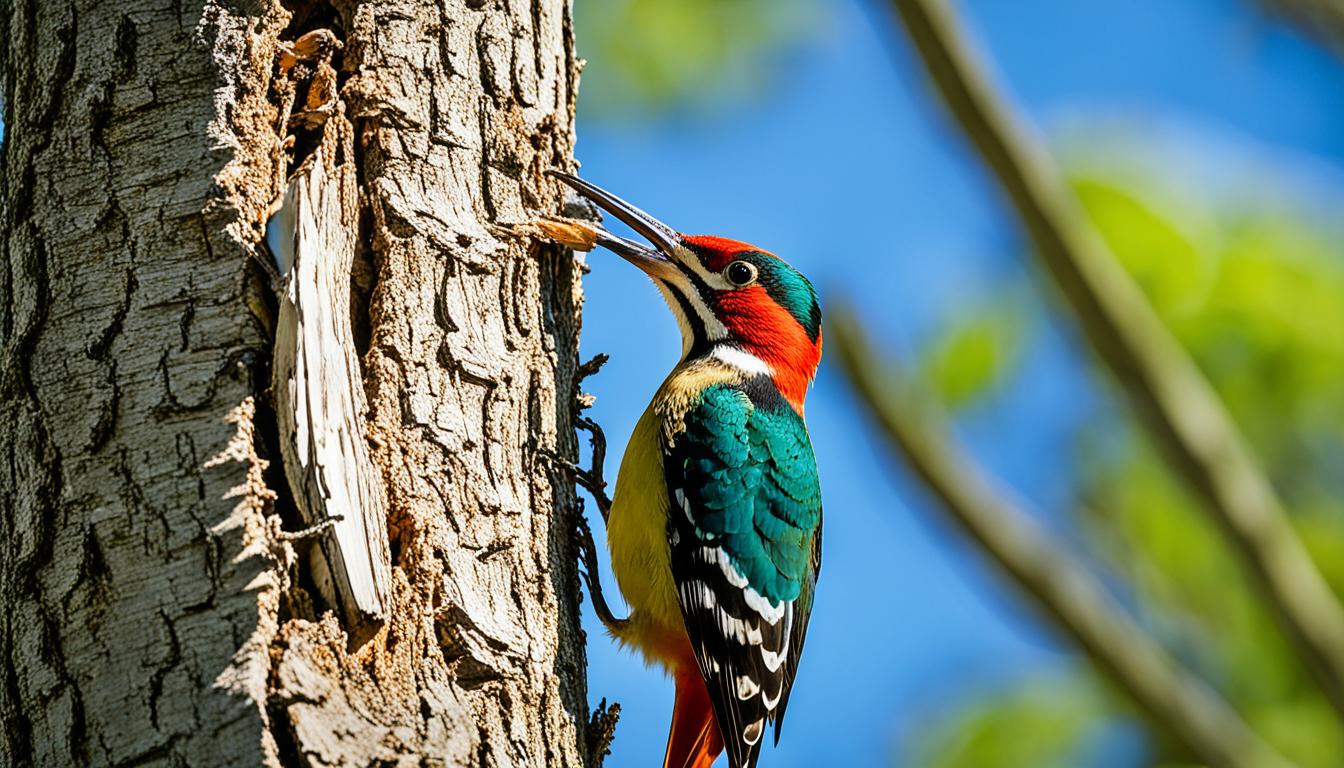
154, 610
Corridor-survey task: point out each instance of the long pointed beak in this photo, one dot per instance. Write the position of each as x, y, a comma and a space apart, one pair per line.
664, 238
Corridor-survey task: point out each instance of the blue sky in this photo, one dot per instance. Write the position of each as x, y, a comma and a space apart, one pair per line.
848, 169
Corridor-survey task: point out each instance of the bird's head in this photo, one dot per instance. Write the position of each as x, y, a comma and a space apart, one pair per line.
733, 301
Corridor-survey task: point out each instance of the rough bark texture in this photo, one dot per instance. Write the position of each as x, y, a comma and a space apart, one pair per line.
151, 613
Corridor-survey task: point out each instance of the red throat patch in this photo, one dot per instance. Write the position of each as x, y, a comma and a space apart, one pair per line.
765, 329
769, 332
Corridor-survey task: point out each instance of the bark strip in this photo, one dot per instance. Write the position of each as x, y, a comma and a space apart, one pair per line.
317, 386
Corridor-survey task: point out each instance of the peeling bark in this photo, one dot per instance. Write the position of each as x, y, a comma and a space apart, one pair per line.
153, 612
317, 385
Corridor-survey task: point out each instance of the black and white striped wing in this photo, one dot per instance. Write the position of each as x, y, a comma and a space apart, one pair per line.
743, 533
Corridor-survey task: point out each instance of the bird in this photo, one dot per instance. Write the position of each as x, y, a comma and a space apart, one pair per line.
714, 528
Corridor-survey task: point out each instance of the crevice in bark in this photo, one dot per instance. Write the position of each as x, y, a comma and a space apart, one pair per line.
307, 16
128, 40
294, 90
23, 401
168, 665
26, 342
287, 751
300, 599
63, 74
18, 727
364, 269
53, 654
105, 424
363, 274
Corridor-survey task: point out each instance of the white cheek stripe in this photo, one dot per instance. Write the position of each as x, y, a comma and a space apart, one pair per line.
689, 259
742, 360
714, 329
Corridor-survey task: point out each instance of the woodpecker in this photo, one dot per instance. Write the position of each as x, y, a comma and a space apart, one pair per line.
715, 525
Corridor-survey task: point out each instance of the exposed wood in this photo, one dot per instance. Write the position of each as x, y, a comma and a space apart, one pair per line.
317, 385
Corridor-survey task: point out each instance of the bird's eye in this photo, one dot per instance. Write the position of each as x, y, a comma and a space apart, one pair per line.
740, 273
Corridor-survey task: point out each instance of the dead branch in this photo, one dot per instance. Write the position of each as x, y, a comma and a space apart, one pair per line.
1173, 700
1176, 403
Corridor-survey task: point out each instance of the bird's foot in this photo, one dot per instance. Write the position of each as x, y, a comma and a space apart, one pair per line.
591, 479
583, 536
588, 479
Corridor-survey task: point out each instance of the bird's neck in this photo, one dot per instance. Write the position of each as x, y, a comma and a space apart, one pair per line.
790, 374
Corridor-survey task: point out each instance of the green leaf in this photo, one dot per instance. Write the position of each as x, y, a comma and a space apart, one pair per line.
648, 55
1044, 721
970, 355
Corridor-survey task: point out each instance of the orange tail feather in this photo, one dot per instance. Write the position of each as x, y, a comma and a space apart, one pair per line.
694, 740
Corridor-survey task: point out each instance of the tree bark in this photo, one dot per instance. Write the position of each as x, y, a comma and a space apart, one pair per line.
154, 612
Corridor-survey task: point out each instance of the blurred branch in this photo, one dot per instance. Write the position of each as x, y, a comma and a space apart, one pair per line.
1180, 409
1173, 700
1322, 19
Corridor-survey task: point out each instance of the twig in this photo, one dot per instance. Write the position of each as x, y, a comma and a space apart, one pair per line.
312, 531
1174, 701
1323, 19
1175, 401
592, 478
601, 731
591, 367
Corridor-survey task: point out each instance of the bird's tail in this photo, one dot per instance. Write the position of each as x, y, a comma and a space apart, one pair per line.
694, 740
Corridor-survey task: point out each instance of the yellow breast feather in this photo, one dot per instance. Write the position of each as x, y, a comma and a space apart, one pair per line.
637, 528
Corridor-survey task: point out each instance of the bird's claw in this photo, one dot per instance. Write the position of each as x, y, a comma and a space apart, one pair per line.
583, 535
591, 479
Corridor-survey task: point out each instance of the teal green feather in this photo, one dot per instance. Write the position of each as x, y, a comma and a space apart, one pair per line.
755, 478
792, 291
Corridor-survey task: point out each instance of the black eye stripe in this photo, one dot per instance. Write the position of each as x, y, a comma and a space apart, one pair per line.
701, 287
700, 339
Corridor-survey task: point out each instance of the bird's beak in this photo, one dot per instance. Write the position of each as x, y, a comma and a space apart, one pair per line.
666, 241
